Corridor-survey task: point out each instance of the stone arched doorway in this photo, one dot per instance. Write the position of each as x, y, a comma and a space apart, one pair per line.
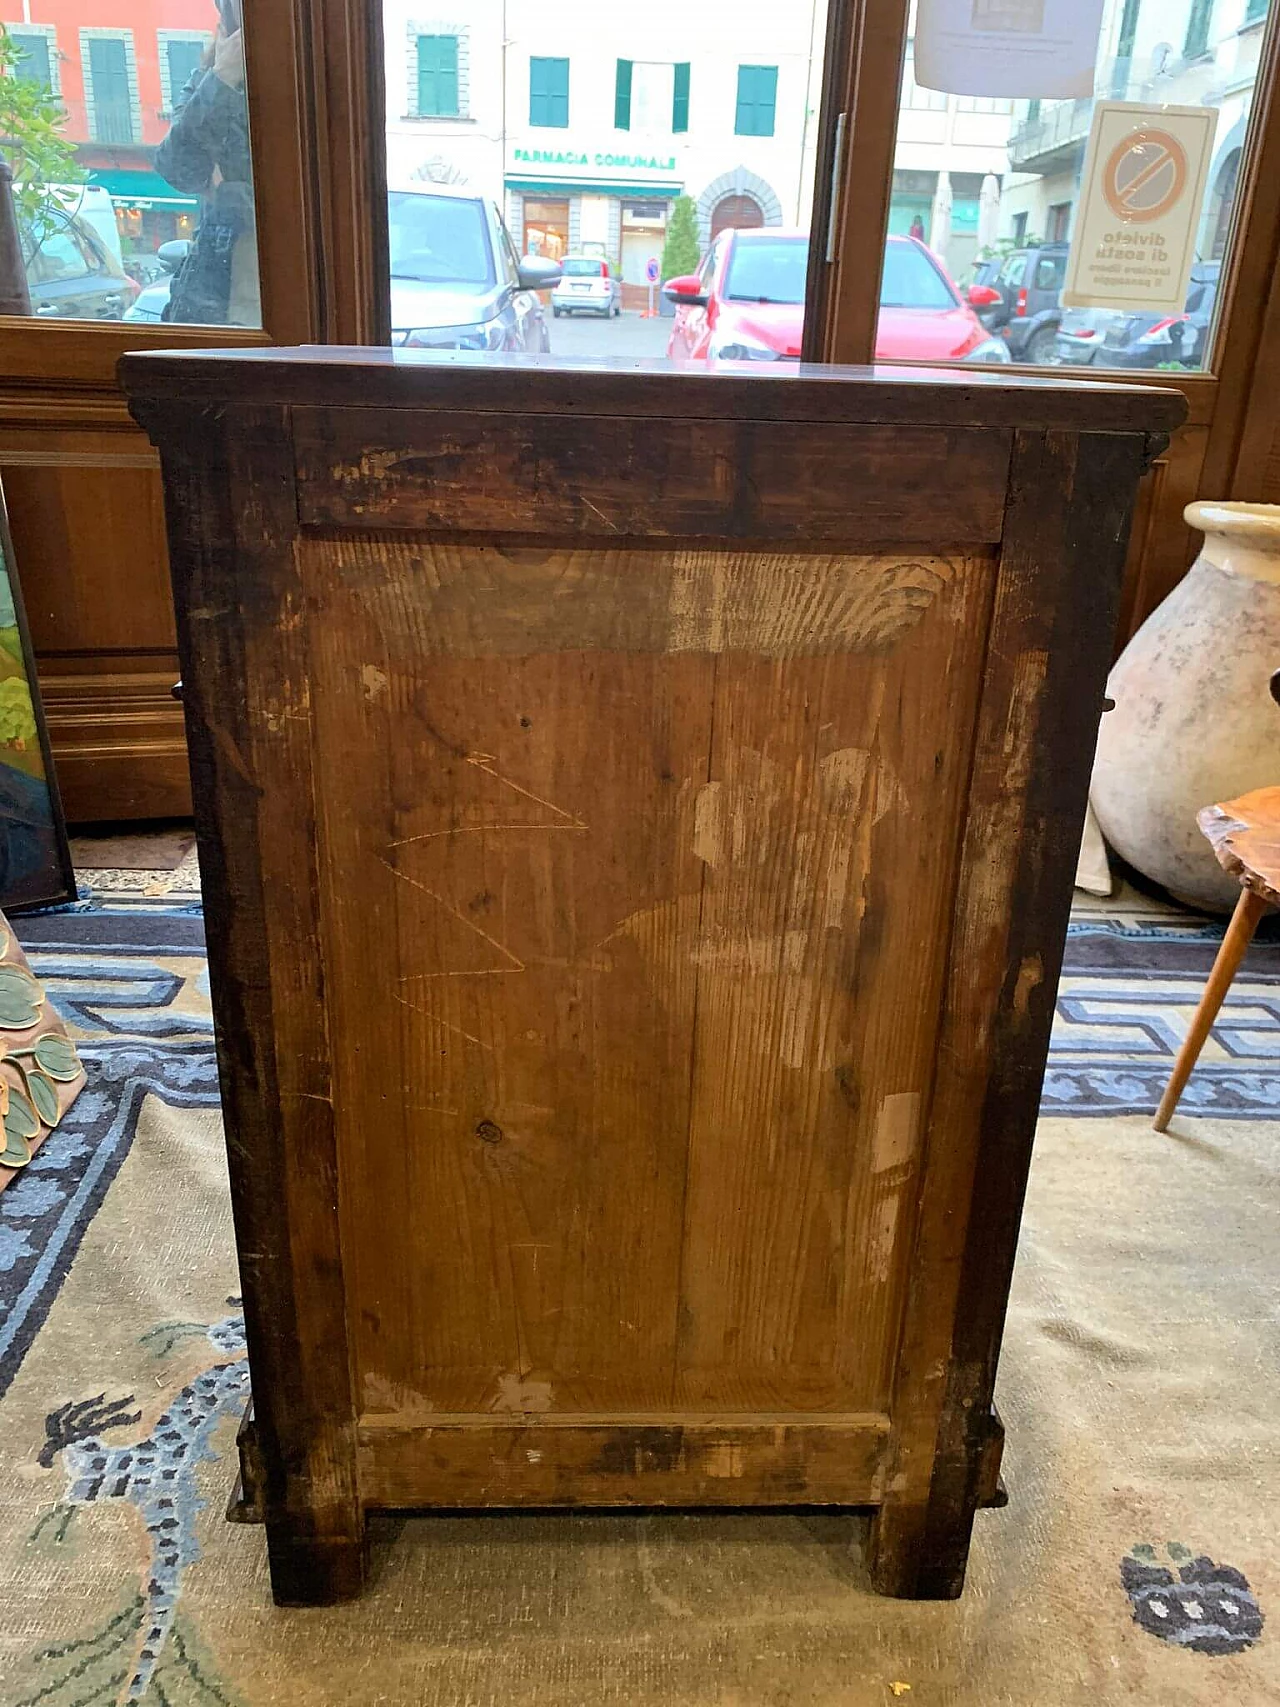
735, 213
738, 198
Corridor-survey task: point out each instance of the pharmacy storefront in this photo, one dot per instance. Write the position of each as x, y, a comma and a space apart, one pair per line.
579, 198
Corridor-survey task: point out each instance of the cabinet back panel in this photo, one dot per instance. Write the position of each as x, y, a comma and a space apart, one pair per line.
635, 911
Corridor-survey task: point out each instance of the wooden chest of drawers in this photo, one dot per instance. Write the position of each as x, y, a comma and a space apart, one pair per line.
637, 815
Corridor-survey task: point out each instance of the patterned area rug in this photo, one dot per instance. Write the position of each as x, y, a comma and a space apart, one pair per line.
1137, 1561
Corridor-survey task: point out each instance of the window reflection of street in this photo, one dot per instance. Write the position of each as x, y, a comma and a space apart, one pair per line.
1028, 159
129, 144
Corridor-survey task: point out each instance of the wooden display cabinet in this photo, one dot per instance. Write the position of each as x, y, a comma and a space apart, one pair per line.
637, 816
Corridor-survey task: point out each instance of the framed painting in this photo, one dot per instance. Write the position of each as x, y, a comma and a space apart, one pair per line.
35, 860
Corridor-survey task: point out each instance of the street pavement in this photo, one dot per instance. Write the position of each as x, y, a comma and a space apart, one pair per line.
629, 335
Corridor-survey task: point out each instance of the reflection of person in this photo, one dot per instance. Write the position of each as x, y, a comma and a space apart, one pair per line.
206, 153
917, 229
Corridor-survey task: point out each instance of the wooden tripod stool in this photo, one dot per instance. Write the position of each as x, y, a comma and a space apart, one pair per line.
1245, 834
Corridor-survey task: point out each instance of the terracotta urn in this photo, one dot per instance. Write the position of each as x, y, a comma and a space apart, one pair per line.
1194, 721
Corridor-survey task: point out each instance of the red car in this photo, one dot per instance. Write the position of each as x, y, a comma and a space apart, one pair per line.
746, 303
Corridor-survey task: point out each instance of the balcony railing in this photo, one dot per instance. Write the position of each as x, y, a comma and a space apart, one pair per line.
112, 121
1055, 131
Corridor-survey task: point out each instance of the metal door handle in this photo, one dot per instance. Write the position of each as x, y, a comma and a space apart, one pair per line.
837, 181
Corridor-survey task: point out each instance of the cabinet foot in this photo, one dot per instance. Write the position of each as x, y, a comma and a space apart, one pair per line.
911, 1558
309, 1570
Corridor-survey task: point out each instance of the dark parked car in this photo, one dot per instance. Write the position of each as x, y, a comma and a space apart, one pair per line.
70, 273
1029, 312
456, 280
981, 277
1154, 340
1081, 334
153, 299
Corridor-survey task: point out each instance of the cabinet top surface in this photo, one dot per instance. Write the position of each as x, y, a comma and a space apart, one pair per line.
353, 377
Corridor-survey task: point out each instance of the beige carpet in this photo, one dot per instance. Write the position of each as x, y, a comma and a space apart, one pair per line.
1140, 1388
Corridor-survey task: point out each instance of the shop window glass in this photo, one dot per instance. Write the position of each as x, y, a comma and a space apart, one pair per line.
132, 180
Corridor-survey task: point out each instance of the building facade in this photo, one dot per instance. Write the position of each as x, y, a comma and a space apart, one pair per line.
948, 148
585, 124
117, 67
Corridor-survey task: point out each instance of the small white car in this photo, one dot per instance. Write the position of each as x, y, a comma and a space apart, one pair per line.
589, 286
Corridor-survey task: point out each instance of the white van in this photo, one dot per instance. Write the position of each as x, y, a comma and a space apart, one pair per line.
95, 207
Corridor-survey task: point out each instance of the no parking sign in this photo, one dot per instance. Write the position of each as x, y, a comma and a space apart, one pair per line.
652, 268
1134, 240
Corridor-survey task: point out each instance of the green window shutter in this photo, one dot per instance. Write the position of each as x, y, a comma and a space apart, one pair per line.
757, 100
31, 62
680, 99
182, 58
1120, 71
438, 77
549, 93
622, 96
1197, 41
109, 79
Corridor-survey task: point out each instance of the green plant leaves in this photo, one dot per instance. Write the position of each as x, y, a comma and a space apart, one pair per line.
21, 1120
16, 1152
20, 998
56, 1056
44, 1096
19, 1124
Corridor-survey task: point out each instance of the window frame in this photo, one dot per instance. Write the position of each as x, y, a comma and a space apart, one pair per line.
438, 71
90, 33
164, 38
48, 34
414, 29
1195, 43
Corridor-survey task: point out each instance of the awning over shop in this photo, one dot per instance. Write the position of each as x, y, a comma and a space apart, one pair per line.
561, 187
141, 189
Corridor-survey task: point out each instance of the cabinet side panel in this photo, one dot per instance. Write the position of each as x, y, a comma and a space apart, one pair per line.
514, 1088
538, 763
831, 835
